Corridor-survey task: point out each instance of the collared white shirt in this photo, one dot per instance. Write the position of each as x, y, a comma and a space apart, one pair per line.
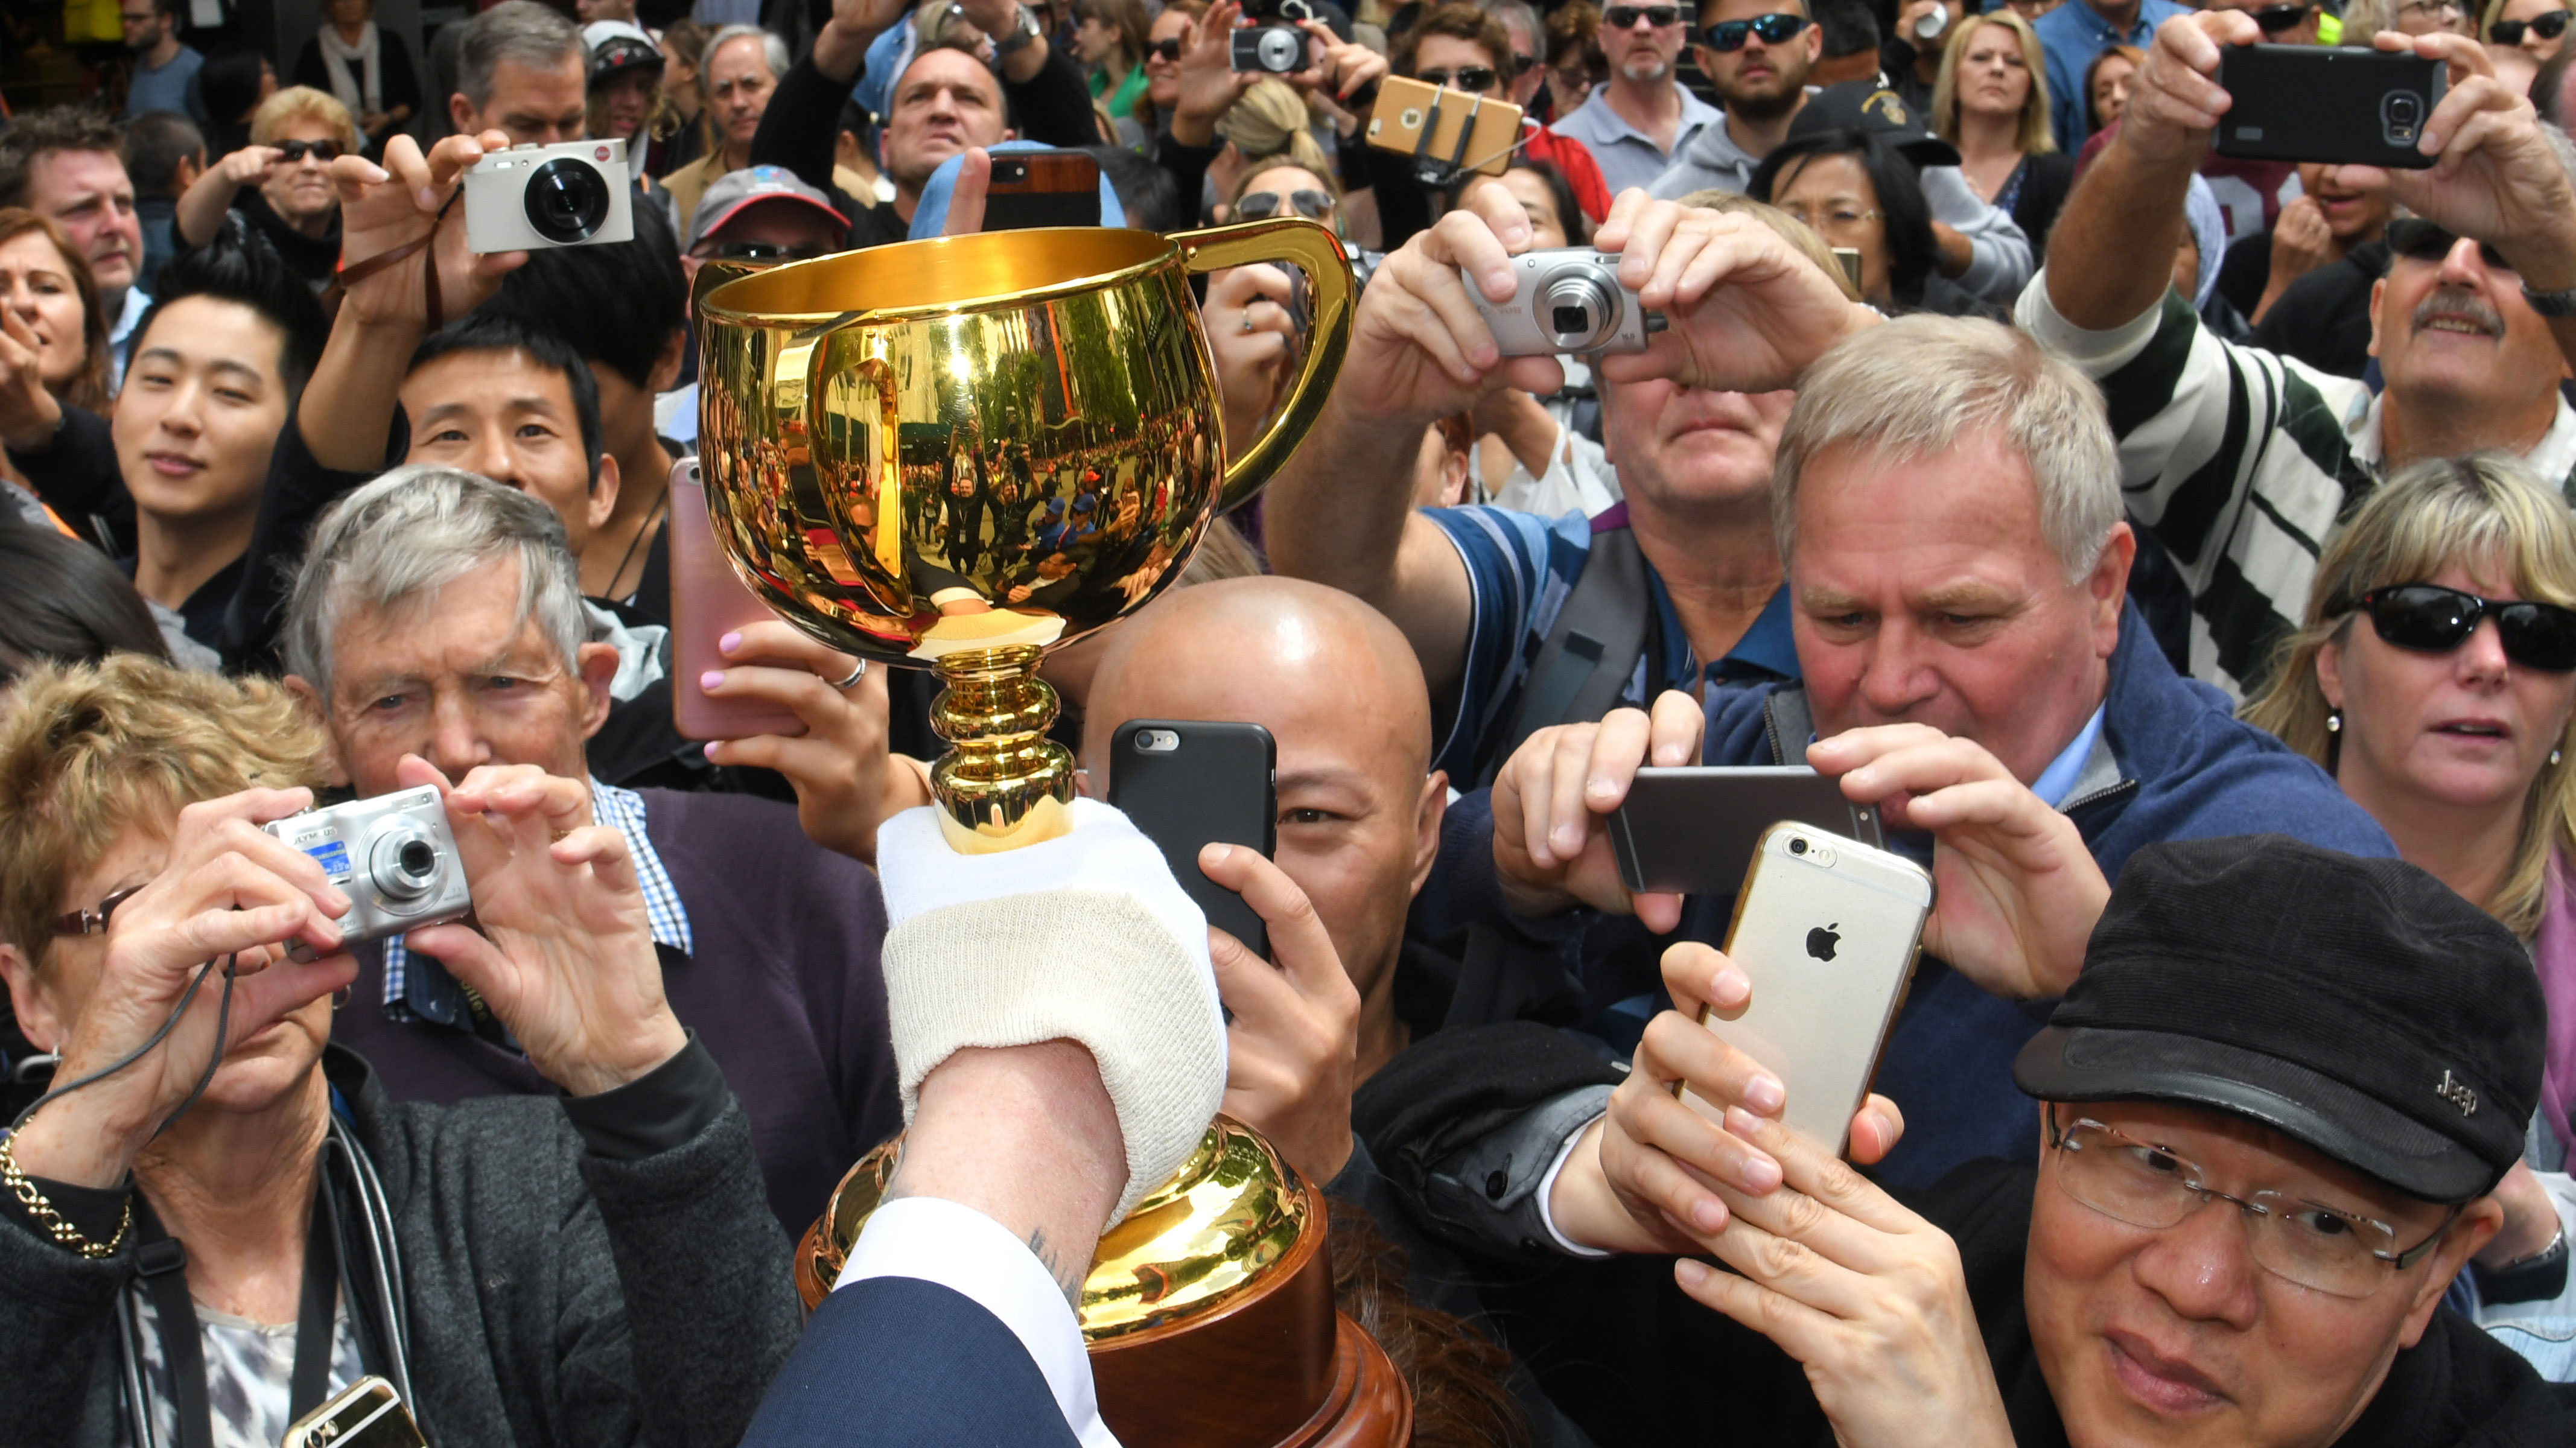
121, 332
622, 809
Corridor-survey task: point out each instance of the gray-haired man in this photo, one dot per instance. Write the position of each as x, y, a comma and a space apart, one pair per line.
525, 70
441, 615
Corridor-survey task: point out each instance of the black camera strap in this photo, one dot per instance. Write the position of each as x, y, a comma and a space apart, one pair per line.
161, 1265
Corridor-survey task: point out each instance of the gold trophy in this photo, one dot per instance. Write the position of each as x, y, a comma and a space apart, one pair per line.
957, 454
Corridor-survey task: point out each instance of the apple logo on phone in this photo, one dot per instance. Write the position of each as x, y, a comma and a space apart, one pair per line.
1822, 940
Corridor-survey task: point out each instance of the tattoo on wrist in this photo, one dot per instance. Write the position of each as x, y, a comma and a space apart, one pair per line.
1067, 1279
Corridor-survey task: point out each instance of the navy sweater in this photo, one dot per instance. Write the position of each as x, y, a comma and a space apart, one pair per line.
2174, 763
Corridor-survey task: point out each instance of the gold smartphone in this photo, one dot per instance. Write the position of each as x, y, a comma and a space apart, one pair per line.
1828, 930
365, 1414
1431, 123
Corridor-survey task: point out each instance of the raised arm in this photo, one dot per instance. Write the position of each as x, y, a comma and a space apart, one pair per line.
202, 206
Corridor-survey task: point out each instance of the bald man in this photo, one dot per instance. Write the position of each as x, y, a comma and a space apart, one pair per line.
1359, 824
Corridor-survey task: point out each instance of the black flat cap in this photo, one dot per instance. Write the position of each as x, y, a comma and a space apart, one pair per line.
2358, 1006
1872, 110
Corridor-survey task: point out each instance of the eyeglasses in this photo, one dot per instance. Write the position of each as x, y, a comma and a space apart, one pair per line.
764, 251
291, 152
1474, 79
2432, 9
1775, 29
92, 921
1168, 48
2548, 26
2143, 1185
1261, 205
2276, 18
2431, 619
1835, 221
2416, 239
1625, 17
1517, 65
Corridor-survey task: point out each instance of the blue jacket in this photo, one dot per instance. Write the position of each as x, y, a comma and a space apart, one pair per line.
2172, 763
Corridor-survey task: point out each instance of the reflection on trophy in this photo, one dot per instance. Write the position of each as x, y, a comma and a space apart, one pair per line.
957, 454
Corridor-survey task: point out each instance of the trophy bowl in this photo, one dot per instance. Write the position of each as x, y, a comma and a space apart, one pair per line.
959, 453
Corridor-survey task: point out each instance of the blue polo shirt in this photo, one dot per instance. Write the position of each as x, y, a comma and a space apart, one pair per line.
1628, 156
2071, 35
1520, 568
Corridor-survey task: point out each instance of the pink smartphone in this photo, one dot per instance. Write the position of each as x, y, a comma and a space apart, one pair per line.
707, 602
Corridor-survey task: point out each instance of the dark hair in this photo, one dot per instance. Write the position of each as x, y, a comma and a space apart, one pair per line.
1010, 113
228, 84
1460, 1378
239, 265
166, 7
1560, 192
155, 143
1146, 192
485, 330
1461, 21
1848, 28
1911, 251
41, 133
618, 306
63, 601
856, 120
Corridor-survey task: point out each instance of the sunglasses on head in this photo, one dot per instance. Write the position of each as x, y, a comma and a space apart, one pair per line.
1625, 17
2416, 239
2277, 18
2548, 26
1775, 29
1262, 205
2431, 619
1168, 48
1474, 78
293, 151
764, 251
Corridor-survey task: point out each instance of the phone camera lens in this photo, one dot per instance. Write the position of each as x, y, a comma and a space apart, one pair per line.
1797, 846
567, 200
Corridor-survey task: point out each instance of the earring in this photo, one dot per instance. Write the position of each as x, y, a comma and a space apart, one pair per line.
2334, 722
2553, 759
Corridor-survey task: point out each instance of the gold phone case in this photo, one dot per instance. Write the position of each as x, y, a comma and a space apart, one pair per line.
1828, 930
365, 1414
1414, 119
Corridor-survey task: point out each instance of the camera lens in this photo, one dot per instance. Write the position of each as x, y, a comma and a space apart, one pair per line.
1797, 846
567, 200
1282, 50
417, 858
1578, 308
404, 862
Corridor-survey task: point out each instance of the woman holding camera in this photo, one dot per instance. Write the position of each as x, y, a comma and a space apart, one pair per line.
229, 1222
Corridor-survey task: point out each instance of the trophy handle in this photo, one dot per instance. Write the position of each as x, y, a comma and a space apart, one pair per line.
1309, 246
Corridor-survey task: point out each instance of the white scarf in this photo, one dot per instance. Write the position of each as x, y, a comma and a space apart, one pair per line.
363, 94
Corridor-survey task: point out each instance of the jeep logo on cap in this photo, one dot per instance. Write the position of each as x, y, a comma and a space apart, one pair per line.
2457, 1093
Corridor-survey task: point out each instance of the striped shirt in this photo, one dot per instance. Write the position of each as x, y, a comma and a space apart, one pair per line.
622, 809
2242, 461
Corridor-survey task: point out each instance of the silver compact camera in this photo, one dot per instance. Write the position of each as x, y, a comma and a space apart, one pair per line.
1566, 301
572, 194
393, 856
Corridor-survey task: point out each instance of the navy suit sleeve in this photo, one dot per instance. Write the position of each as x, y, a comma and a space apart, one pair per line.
896, 1361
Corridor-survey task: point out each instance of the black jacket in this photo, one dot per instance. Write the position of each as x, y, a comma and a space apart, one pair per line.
595, 1272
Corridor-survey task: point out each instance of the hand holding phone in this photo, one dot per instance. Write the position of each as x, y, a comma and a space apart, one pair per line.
2328, 103
1042, 188
709, 601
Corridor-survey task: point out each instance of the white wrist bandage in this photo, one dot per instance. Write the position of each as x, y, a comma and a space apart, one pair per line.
1087, 938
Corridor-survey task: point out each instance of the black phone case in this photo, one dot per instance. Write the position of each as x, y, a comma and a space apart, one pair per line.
1694, 831
2325, 103
1218, 785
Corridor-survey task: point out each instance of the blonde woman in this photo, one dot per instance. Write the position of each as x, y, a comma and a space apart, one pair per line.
2435, 678
281, 182
1990, 100
1267, 121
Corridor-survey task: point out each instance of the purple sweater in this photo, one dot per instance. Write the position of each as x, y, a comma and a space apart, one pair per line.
784, 990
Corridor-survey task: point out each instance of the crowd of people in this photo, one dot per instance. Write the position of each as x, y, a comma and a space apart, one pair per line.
2173, 549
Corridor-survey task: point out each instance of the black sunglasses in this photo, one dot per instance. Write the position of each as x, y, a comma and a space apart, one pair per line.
1625, 17
2416, 239
1261, 205
2276, 18
765, 251
1775, 29
2548, 26
1168, 48
293, 151
1477, 79
2431, 619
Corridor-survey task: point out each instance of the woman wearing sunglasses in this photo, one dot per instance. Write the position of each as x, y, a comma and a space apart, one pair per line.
1461, 48
280, 182
2435, 678
2539, 27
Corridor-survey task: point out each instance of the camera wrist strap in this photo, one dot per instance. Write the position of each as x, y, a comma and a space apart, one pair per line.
161, 1264
354, 272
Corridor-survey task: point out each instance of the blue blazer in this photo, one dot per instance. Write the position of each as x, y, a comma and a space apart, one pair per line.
896, 1361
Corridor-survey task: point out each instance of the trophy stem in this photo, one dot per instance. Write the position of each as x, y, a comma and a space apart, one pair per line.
1003, 783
